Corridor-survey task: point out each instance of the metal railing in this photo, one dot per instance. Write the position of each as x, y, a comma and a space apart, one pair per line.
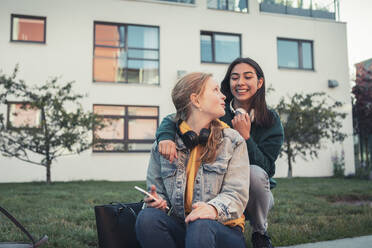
328, 9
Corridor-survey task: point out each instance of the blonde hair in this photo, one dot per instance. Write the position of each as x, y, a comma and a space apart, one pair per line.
195, 83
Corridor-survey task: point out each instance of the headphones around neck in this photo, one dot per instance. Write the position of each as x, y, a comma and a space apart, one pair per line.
191, 139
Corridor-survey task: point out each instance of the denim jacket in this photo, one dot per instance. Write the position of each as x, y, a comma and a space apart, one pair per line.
223, 183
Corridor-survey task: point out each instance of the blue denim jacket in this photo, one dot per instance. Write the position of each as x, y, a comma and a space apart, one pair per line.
223, 183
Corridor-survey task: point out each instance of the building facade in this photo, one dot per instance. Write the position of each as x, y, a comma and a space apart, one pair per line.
128, 54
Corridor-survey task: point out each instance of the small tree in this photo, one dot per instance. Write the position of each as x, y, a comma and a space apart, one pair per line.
307, 120
60, 132
362, 109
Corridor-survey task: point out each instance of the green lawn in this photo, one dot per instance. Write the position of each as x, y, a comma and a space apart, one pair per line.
304, 210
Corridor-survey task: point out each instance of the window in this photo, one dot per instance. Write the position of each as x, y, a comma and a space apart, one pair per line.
126, 53
127, 128
28, 28
22, 115
233, 5
219, 47
296, 54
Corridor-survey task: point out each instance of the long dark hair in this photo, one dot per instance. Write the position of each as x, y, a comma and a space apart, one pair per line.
263, 116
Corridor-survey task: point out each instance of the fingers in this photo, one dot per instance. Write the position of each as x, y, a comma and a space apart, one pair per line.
167, 148
201, 210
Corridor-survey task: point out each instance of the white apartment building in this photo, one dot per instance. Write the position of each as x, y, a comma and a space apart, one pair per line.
128, 54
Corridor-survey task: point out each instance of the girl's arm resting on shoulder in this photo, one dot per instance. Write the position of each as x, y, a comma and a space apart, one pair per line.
265, 152
233, 197
167, 129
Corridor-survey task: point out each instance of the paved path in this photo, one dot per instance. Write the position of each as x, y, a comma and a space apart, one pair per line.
359, 242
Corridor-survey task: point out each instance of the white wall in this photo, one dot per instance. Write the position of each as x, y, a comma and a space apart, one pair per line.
68, 52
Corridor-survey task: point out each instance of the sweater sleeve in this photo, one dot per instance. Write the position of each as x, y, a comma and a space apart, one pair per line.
265, 151
167, 129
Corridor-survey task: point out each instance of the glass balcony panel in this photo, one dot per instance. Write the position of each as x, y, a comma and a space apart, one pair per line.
313, 8
179, 1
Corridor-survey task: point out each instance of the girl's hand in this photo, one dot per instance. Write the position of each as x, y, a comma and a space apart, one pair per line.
158, 203
202, 210
242, 124
167, 148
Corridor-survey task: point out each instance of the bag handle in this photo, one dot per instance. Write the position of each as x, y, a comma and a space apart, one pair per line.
19, 225
7, 214
122, 206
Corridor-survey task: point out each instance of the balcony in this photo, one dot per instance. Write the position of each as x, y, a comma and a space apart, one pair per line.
179, 1
326, 9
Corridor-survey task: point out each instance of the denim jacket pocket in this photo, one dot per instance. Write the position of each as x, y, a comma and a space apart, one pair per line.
213, 177
168, 173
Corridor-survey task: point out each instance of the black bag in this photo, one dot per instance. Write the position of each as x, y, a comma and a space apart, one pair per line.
34, 243
115, 224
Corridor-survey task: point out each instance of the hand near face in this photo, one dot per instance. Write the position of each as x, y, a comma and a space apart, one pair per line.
242, 124
167, 148
159, 203
201, 210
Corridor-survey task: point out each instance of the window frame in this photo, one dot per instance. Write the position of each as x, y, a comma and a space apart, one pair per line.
227, 5
125, 141
8, 122
212, 34
126, 49
12, 16
300, 57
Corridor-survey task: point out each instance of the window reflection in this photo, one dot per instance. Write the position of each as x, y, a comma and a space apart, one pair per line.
114, 129
127, 128
206, 48
288, 53
143, 72
23, 116
219, 48
29, 29
136, 62
227, 48
296, 54
142, 129
233, 5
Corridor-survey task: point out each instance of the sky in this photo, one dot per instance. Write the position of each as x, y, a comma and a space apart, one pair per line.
358, 16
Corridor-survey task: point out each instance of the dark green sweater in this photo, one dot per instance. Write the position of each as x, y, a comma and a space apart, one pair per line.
263, 145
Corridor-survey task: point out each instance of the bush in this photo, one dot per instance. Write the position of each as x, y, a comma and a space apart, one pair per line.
338, 164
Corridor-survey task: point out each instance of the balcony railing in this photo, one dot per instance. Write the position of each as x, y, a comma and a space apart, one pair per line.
179, 1
313, 8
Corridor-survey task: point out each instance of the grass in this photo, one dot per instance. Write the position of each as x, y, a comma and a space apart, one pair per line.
304, 210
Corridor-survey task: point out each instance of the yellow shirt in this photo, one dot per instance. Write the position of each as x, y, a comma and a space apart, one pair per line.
192, 168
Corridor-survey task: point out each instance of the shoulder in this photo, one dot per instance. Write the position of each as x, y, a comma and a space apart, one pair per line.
276, 128
276, 122
233, 136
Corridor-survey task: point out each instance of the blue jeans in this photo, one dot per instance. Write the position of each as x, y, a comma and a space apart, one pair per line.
154, 228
